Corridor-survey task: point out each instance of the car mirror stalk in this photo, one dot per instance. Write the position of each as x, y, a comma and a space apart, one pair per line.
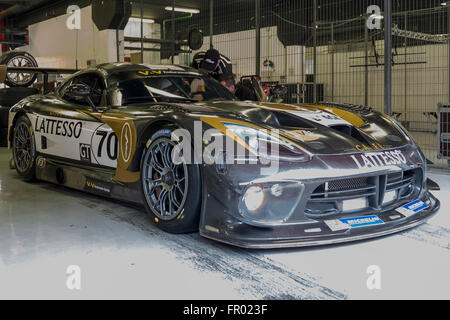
91, 104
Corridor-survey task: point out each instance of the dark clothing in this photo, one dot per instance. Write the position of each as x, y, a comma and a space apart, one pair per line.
224, 66
243, 93
211, 60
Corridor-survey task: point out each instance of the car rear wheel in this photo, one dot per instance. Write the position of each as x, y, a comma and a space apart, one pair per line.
171, 192
24, 149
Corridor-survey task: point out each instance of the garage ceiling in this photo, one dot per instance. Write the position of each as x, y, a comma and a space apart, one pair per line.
155, 9
236, 15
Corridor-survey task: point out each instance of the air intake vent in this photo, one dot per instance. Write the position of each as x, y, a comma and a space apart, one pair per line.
329, 197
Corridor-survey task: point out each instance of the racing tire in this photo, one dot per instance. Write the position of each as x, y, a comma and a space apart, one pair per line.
19, 59
24, 149
171, 193
10, 96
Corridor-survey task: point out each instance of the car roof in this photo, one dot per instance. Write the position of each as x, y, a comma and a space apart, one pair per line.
112, 68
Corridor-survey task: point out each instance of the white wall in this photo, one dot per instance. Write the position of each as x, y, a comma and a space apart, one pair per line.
151, 31
54, 45
240, 48
417, 88
422, 85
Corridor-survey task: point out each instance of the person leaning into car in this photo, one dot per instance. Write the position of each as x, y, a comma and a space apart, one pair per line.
213, 63
241, 92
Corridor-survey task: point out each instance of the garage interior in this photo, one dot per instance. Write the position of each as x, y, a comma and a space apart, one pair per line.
320, 50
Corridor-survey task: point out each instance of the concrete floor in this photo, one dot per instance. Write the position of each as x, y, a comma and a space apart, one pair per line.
45, 229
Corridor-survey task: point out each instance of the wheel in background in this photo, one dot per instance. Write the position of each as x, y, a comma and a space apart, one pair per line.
19, 59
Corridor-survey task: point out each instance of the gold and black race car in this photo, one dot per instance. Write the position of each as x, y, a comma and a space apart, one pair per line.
251, 174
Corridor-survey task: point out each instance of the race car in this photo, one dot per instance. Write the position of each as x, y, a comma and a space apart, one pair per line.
150, 135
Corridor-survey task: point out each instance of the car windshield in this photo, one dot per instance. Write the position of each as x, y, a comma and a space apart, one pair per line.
172, 89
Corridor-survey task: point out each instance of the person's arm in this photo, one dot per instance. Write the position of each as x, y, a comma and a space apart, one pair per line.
243, 93
225, 65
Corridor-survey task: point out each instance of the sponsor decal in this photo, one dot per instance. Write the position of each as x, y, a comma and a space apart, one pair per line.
350, 223
180, 72
379, 159
120, 129
85, 152
63, 128
342, 114
148, 72
41, 162
104, 145
317, 115
160, 133
362, 221
374, 146
97, 186
412, 208
312, 112
126, 142
320, 117
304, 135
325, 116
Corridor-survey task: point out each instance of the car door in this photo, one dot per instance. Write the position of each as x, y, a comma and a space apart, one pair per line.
69, 129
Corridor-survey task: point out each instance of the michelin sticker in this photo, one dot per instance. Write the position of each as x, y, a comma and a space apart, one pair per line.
160, 133
350, 223
412, 208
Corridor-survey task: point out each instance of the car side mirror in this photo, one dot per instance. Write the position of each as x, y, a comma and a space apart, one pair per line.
116, 98
80, 92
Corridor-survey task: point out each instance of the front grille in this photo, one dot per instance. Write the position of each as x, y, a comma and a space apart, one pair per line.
348, 184
343, 189
379, 192
402, 182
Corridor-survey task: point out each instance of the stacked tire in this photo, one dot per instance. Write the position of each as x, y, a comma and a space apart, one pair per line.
19, 59
8, 98
18, 87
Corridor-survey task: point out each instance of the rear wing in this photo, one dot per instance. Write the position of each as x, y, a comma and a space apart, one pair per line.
5, 70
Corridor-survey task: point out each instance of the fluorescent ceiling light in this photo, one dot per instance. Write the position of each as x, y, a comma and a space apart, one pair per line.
133, 19
377, 17
187, 10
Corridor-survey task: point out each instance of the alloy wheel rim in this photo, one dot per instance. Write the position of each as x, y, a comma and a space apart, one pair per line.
23, 147
20, 78
165, 183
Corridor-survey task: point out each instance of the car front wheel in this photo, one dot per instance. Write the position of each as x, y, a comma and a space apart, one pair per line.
171, 191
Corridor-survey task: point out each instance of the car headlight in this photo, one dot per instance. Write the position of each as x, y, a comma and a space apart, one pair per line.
267, 145
254, 198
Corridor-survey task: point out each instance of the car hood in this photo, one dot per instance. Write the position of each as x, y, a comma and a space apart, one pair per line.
321, 129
